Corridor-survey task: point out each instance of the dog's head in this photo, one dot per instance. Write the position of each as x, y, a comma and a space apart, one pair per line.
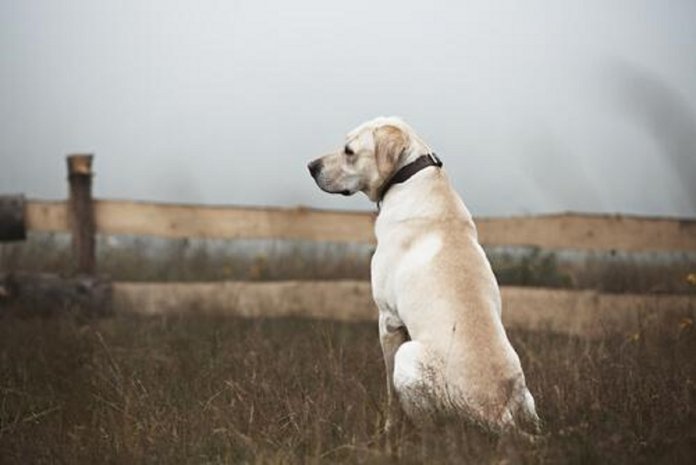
371, 154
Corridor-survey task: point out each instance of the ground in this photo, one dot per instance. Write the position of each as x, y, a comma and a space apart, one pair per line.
131, 390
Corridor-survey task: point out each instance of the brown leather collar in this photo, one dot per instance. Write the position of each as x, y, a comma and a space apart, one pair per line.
405, 173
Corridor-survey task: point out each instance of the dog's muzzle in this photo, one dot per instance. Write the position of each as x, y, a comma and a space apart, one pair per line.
315, 168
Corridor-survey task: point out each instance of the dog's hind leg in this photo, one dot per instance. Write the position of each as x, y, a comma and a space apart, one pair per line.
526, 416
415, 381
520, 412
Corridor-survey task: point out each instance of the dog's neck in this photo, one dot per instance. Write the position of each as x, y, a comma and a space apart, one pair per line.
427, 195
406, 172
415, 149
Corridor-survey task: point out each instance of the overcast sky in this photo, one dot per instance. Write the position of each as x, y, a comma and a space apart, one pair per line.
534, 106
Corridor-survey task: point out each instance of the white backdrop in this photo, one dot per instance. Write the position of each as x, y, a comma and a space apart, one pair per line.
534, 106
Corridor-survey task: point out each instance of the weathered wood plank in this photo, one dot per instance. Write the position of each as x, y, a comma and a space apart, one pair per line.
563, 231
340, 300
592, 232
178, 221
47, 215
589, 313
583, 313
229, 222
12, 218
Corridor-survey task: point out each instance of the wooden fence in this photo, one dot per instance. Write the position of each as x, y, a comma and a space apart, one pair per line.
559, 231
575, 311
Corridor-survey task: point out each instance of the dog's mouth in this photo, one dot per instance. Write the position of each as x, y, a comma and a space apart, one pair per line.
344, 192
316, 173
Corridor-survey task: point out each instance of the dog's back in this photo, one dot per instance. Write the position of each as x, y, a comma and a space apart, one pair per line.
449, 300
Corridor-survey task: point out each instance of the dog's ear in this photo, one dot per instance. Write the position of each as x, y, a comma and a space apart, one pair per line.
390, 143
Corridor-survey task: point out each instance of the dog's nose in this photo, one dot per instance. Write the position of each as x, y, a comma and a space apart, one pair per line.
314, 168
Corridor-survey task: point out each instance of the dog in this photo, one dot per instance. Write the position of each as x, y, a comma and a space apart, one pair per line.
445, 349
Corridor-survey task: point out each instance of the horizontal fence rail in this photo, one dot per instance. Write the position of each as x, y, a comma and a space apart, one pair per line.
560, 231
180, 221
583, 313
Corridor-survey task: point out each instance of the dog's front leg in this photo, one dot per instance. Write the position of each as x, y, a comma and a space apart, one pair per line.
392, 333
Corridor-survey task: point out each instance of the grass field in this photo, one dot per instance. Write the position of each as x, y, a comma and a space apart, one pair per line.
128, 390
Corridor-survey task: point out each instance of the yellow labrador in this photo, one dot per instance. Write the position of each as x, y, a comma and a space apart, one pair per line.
444, 345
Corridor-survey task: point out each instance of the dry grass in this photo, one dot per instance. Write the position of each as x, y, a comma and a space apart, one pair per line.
206, 390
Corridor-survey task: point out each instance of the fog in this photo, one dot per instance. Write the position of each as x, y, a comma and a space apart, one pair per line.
536, 106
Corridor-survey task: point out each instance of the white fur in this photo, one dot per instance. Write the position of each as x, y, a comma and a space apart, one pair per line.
423, 251
444, 345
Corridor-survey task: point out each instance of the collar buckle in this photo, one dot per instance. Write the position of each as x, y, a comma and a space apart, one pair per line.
434, 158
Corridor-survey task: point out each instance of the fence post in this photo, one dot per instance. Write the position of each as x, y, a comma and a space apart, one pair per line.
12, 227
81, 213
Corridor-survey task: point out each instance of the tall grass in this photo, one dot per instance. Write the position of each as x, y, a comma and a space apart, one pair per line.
132, 390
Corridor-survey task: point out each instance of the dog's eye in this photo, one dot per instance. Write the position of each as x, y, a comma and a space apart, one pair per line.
348, 151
